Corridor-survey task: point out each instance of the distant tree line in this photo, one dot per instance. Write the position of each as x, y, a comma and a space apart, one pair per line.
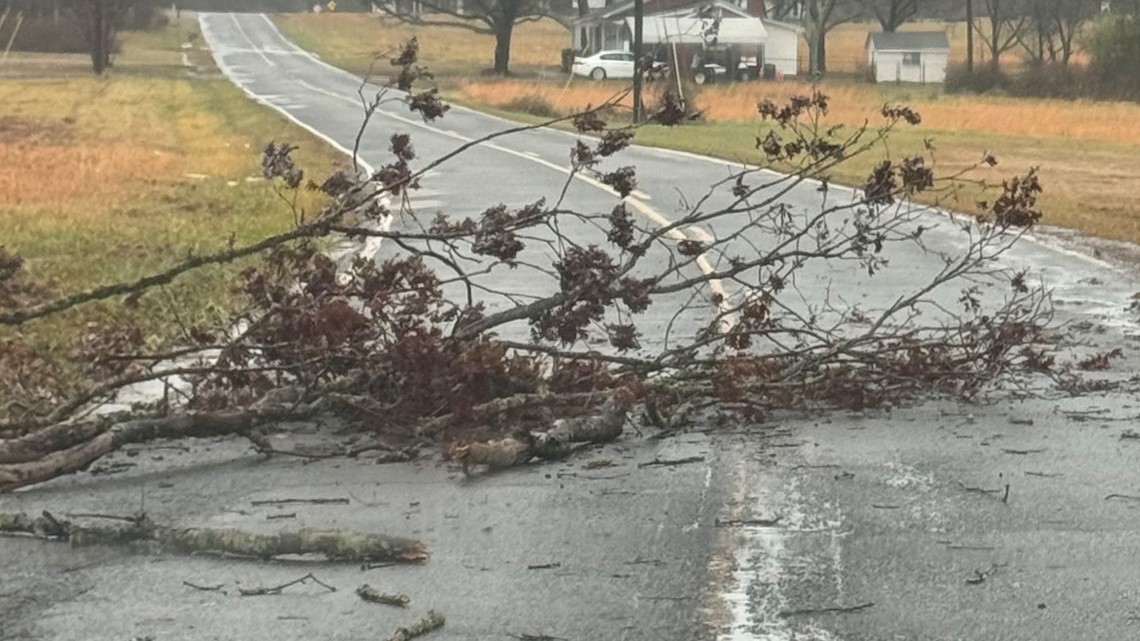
77, 26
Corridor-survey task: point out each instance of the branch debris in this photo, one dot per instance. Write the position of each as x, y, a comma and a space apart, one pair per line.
277, 589
370, 594
427, 623
334, 545
837, 609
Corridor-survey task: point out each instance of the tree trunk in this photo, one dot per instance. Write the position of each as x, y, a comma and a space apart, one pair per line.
98, 40
970, 36
822, 57
817, 51
995, 48
503, 33
583, 33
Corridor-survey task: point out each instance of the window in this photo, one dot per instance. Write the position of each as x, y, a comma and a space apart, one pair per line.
912, 59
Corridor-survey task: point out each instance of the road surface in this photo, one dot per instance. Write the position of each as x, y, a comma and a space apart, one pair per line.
1014, 521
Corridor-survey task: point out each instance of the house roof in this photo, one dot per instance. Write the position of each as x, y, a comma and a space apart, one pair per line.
622, 10
909, 41
780, 24
682, 29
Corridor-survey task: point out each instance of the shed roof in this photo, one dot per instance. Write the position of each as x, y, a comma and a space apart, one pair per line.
909, 41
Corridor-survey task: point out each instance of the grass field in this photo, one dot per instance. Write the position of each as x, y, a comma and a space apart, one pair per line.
353, 40
1087, 151
105, 179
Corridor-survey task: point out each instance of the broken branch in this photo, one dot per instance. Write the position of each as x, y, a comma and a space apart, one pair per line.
427, 623
334, 545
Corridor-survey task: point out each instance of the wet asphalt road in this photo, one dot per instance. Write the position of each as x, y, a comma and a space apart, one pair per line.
770, 536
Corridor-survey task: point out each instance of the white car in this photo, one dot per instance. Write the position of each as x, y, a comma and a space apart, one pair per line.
605, 64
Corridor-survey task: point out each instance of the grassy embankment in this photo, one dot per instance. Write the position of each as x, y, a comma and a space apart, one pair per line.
108, 179
1087, 152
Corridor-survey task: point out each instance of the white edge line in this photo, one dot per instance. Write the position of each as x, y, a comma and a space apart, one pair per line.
231, 75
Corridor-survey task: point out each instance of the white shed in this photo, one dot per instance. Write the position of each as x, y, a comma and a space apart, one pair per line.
783, 47
910, 56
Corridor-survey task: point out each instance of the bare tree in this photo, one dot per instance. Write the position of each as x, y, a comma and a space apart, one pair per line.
1006, 21
497, 18
785, 9
892, 14
1064, 21
819, 18
100, 21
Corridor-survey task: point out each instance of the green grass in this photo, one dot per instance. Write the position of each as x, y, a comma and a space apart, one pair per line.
108, 179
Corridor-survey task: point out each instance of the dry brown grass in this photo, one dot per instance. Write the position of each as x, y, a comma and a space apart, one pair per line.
852, 104
108, 179
1087, 151
71, 144
353, 40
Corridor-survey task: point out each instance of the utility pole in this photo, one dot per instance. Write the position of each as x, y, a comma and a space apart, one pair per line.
638, 16
970, 36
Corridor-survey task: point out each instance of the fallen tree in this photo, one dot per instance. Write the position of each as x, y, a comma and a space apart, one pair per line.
711, 310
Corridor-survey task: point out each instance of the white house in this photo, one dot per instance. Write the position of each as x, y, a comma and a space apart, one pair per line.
689, 22
910, 56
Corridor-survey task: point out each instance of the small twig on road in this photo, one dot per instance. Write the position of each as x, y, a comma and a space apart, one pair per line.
672, 462
427, 623
204, 588
364, 567
277, 589
335, 501
1023, 452
837, 609
370, 594
1004, 491
544, 566
954, 546
1048, 475
980, 576
289, 515
748, 522
535, 637
1130, 435
825, 466
1124, 497
97, 515
1021, 421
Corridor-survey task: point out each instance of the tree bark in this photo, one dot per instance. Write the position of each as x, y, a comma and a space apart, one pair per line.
78, 456
334, 545
503, 33
98, 41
